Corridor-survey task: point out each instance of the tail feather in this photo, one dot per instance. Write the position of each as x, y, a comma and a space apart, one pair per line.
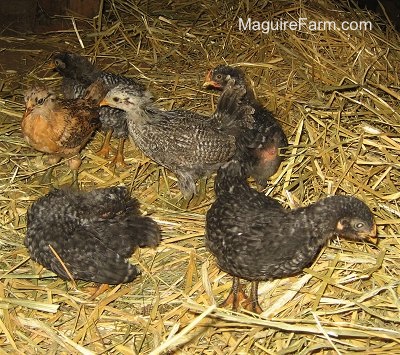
232, 114
126, 232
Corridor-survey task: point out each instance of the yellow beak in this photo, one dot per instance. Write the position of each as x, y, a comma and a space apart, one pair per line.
104, 102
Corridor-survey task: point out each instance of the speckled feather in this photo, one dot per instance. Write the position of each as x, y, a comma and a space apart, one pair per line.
253, 237
260, 145
78, 73
189, 144
92, 232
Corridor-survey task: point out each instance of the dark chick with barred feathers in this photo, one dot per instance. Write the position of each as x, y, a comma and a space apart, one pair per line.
189, 144
78, 73
61, 128
254, 238
266, 138
89, 236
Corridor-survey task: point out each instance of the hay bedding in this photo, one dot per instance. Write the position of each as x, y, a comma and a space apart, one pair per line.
337, 96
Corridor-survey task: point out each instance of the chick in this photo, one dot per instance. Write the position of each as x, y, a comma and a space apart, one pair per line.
254, 238
266, 139
89, 235
60, 128
189, 144
78, 73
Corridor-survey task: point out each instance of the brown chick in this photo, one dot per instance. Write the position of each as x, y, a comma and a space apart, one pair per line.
60, 128
78, 73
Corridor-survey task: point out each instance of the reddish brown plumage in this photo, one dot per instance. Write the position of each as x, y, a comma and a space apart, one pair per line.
60, 128
78, 73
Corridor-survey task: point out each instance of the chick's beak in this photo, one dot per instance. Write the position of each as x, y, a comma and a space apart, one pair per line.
28, 111
104, 102
372, 237
52, 65
29, 105
208, 82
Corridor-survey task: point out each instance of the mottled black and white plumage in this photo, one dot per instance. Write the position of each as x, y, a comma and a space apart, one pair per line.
93, 233
189, 144
254, 238
261, 144
78, 73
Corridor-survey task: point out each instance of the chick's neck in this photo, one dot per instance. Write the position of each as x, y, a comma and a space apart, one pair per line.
320, 219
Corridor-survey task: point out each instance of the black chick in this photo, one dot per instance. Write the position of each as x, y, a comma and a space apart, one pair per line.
254, 238
78, 73
92, 233
266, 139
189, 144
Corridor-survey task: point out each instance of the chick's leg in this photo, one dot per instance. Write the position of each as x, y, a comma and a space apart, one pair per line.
47, 177
105, 148
187, 185
74, 165
235, 296
97, 291
252, 304
201, 195
119, 157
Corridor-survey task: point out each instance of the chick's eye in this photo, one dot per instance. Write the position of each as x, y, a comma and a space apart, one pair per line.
219, 76
40, 101
59, 63
359, 225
